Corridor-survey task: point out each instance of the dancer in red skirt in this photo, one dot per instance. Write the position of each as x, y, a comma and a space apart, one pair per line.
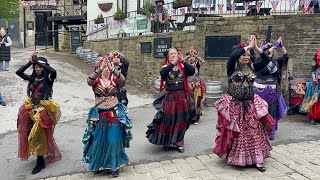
173, 104
243, 119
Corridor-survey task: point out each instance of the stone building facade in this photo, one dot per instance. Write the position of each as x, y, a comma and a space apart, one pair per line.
64, 39
300, 33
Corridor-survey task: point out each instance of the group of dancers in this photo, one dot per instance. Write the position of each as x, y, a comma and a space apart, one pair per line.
247, 115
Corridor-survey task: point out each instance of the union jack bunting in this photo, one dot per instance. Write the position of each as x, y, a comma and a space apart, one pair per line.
208, 7
233, 8
246, 6
274, 4
292, 3
220, 6
258, 6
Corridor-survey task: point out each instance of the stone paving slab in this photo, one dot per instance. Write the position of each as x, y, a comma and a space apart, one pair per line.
286, 162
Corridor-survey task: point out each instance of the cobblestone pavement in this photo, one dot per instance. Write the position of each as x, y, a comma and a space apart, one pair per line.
292, 161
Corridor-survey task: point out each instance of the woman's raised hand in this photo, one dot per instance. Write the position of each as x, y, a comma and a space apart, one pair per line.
33, 57
252, 41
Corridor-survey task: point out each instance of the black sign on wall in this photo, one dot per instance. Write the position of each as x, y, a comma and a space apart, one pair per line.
160, 45
220, 46
145, 47
43, 7
75, 36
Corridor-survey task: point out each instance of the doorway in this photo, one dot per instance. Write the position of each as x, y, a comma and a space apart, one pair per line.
43, 28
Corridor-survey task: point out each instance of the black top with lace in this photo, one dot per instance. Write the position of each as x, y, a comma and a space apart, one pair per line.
175, 79
39, 87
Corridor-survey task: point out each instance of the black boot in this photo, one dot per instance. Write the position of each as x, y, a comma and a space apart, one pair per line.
40, 165
115, 173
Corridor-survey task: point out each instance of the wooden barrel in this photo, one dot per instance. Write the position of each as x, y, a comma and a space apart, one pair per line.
214, 91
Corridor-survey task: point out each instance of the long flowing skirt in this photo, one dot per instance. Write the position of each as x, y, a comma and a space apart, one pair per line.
271, 93
172, 119
35, 130
199, 91
313, 94
106, 137
242, 136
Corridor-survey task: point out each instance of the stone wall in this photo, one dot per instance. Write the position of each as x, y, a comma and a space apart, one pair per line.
293, 28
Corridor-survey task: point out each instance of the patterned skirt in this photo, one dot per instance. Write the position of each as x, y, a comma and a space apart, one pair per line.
106, 137
172, 119
242, 136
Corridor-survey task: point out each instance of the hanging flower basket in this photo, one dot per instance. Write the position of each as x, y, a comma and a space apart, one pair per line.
105, 7
181, 3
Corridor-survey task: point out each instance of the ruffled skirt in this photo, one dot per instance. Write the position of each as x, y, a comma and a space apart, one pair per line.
242, 137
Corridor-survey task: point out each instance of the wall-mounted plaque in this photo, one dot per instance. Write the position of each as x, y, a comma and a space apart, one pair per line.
30, 25
160, 45
220, 47
145, 47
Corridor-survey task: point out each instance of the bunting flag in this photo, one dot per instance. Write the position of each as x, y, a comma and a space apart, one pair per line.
274, 4
246, 6
220, 6
292, 3
233, 8
258, 6
208, 7
183, 11
191, 9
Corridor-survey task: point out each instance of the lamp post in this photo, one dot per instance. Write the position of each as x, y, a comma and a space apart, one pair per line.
24, 5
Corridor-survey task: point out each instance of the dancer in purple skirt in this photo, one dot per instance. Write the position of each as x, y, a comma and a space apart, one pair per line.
267, 82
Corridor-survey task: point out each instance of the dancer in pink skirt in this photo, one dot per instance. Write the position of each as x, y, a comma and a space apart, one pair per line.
243, 119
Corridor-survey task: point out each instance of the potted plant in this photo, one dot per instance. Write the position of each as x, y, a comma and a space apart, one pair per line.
181, 3
147, 9
99, 19
119, 15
